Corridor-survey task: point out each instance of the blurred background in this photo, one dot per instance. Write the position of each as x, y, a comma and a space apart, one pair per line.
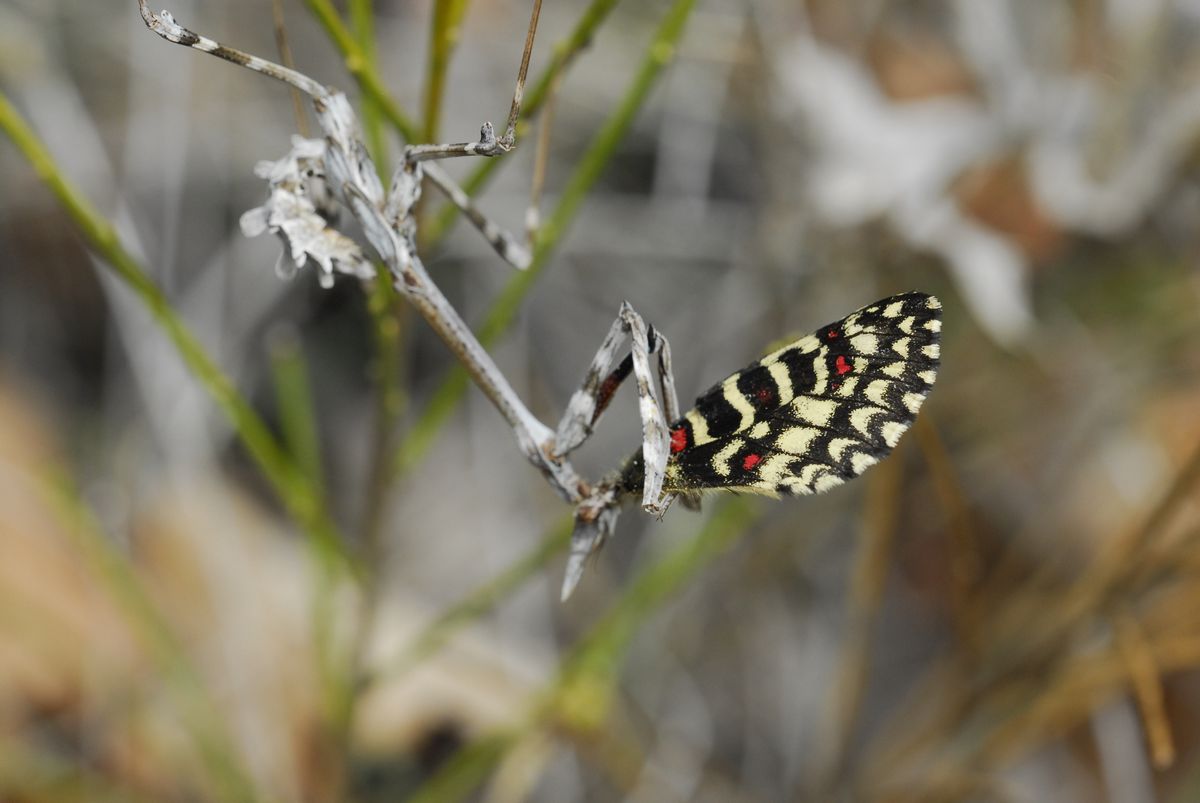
347, 587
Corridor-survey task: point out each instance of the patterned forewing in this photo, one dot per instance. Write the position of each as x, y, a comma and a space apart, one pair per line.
817, 412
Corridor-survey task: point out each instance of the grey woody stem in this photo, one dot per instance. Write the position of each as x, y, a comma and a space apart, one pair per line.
393, 243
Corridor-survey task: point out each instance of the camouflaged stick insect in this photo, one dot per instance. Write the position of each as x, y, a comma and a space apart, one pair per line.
802, 419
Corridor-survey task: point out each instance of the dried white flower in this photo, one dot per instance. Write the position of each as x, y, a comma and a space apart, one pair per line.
299, 196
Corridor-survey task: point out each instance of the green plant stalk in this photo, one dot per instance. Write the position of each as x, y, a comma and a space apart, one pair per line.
443, 39
658, 55
362, 19
388, 318
359, 66
199, 712
564, 54
480, 601
293, 396
579, 699
386, 321
301, 499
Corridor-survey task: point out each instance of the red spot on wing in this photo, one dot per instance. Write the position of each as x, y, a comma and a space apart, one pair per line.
765, 395
679, 439
832, 334
842, 365
750, 461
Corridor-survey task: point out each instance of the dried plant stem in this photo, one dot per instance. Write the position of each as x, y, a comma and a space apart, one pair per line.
1019, 638
962, 543
1147, 687
1006, 709
659, 54
285, 58
510, 128
565, 53
383, 224
866, 594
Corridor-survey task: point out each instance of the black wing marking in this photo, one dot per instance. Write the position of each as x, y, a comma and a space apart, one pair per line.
817, 412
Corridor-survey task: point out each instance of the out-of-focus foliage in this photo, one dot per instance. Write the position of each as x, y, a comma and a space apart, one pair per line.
1003, 610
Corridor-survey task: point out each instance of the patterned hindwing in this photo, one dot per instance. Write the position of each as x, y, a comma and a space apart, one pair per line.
817, 412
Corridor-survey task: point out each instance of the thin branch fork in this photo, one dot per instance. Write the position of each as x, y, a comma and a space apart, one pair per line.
489, 144
387, 224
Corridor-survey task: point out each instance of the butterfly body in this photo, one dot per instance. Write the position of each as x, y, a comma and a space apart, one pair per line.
812, 414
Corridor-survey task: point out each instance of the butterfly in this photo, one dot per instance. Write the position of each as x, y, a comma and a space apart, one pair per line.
813, 414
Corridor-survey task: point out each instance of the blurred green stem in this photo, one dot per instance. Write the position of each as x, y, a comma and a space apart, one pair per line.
582, 696
362, 18
564, 54
199, 713
388, 321
478, 602
358, 64
443, 39
659, 54
293, 397
302, 500
580, 699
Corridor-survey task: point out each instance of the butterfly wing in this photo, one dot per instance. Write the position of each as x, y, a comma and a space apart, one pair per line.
815, 413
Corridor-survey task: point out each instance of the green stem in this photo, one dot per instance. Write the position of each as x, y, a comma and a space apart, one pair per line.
564, 54
359, 66
302, 500
582, 695
443, 39
199, 712
580, 698
480, 601
362, 19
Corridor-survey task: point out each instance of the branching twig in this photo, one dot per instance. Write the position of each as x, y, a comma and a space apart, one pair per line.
658, 54
348, 170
